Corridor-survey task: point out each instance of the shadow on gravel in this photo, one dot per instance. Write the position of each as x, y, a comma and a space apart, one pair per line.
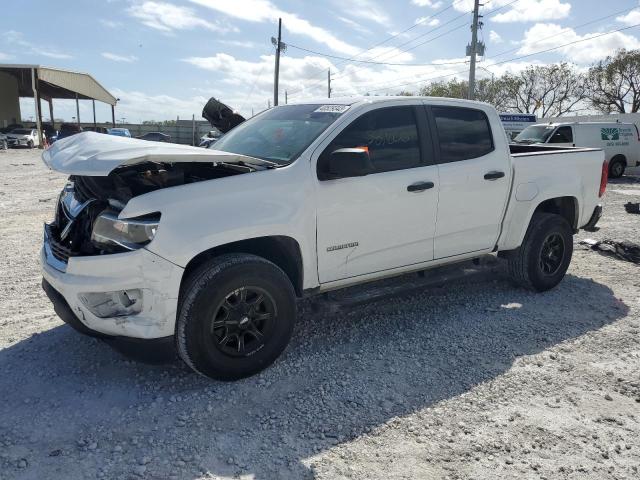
627, 179
71, 406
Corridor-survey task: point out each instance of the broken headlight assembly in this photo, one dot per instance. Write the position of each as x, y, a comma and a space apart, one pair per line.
121, 235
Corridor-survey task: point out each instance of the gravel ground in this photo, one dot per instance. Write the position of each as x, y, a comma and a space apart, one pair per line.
477, 379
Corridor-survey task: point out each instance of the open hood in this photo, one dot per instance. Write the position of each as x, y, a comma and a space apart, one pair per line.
221, 116
97, 154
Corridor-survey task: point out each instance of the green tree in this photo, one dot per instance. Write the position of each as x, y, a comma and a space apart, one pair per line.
614, 83
546, 91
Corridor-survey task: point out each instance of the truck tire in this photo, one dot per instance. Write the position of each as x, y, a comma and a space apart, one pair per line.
544, 256
617, 166
236, 316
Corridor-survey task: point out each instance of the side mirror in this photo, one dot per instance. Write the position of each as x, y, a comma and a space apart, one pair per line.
348, 162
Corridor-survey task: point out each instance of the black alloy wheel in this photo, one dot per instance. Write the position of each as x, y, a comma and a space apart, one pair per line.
243, 321
552, 254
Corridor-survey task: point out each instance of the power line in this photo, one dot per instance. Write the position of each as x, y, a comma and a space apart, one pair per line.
520, 57
434, 15
537, 41
492, 12
365, 61
382, 63
566, 28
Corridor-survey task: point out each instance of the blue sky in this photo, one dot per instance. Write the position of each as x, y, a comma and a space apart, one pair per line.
164, 58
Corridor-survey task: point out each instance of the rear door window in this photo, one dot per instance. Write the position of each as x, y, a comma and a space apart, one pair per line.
463, 133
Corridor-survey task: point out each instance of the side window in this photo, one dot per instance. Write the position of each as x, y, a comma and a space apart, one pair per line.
463, 133
562, 135
389, 134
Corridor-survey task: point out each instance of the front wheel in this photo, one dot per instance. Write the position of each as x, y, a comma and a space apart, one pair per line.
30, 144
236, 316
544, 256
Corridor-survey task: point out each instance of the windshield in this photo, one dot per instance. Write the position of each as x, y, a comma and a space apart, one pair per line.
22, 131
281, 134
535, 134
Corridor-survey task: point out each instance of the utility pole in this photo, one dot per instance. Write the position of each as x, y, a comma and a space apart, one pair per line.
286, 98
475, 48
280, 47
329, 83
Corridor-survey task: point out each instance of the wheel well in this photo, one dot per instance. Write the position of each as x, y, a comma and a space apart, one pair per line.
566, 207
283, 251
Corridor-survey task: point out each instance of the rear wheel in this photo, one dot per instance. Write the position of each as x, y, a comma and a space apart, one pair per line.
544, 256
617, 167
236, 316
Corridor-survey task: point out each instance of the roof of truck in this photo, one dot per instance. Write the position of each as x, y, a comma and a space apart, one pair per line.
594, 124
367, 99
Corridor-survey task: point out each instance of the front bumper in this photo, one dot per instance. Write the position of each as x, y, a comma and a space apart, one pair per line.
157, 279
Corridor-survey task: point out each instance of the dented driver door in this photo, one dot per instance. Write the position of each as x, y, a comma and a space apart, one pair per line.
385, 219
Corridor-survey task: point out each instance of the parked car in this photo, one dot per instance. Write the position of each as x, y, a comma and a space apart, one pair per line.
210, 138
155, 137
97, 129
23, 137
120, 132
620, 141
11, 126
67, 130
209, 248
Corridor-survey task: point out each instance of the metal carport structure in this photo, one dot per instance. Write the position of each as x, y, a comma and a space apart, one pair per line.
46, 83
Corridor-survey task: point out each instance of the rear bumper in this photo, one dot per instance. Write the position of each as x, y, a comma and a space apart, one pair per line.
595, 217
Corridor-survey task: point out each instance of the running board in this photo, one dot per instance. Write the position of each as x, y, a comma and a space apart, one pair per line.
481, 269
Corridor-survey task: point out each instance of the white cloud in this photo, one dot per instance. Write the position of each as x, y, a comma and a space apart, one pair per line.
16, 38
523, 10
631, 18
427, 3
495, 37
4, 56
265, 11
119, 58
434, 22
367, 10
239, 43
137, 106
167, 17
548, 35
353, 24
110, 23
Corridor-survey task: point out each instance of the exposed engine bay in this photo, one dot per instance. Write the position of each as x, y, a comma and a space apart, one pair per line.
86, 220
88, 202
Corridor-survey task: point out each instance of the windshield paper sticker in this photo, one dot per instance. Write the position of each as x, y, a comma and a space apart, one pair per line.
332, 109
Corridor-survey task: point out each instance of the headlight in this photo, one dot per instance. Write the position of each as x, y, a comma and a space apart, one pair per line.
110, 233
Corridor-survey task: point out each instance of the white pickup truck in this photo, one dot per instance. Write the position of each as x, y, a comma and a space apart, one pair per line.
209, 248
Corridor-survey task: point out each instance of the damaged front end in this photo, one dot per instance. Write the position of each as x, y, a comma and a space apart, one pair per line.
86, 218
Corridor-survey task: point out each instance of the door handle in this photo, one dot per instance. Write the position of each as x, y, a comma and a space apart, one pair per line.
420, 186
493, 175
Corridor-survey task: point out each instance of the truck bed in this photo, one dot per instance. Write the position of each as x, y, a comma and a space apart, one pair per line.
517, 149
540, 173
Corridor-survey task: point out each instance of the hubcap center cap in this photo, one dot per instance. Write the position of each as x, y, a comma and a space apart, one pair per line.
244, 322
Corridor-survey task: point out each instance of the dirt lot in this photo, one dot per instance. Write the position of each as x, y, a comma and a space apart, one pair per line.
474, 380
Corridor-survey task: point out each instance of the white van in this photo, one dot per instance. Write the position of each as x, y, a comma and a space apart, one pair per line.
620, 141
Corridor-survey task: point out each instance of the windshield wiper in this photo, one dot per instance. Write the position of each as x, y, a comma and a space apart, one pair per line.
263, 162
